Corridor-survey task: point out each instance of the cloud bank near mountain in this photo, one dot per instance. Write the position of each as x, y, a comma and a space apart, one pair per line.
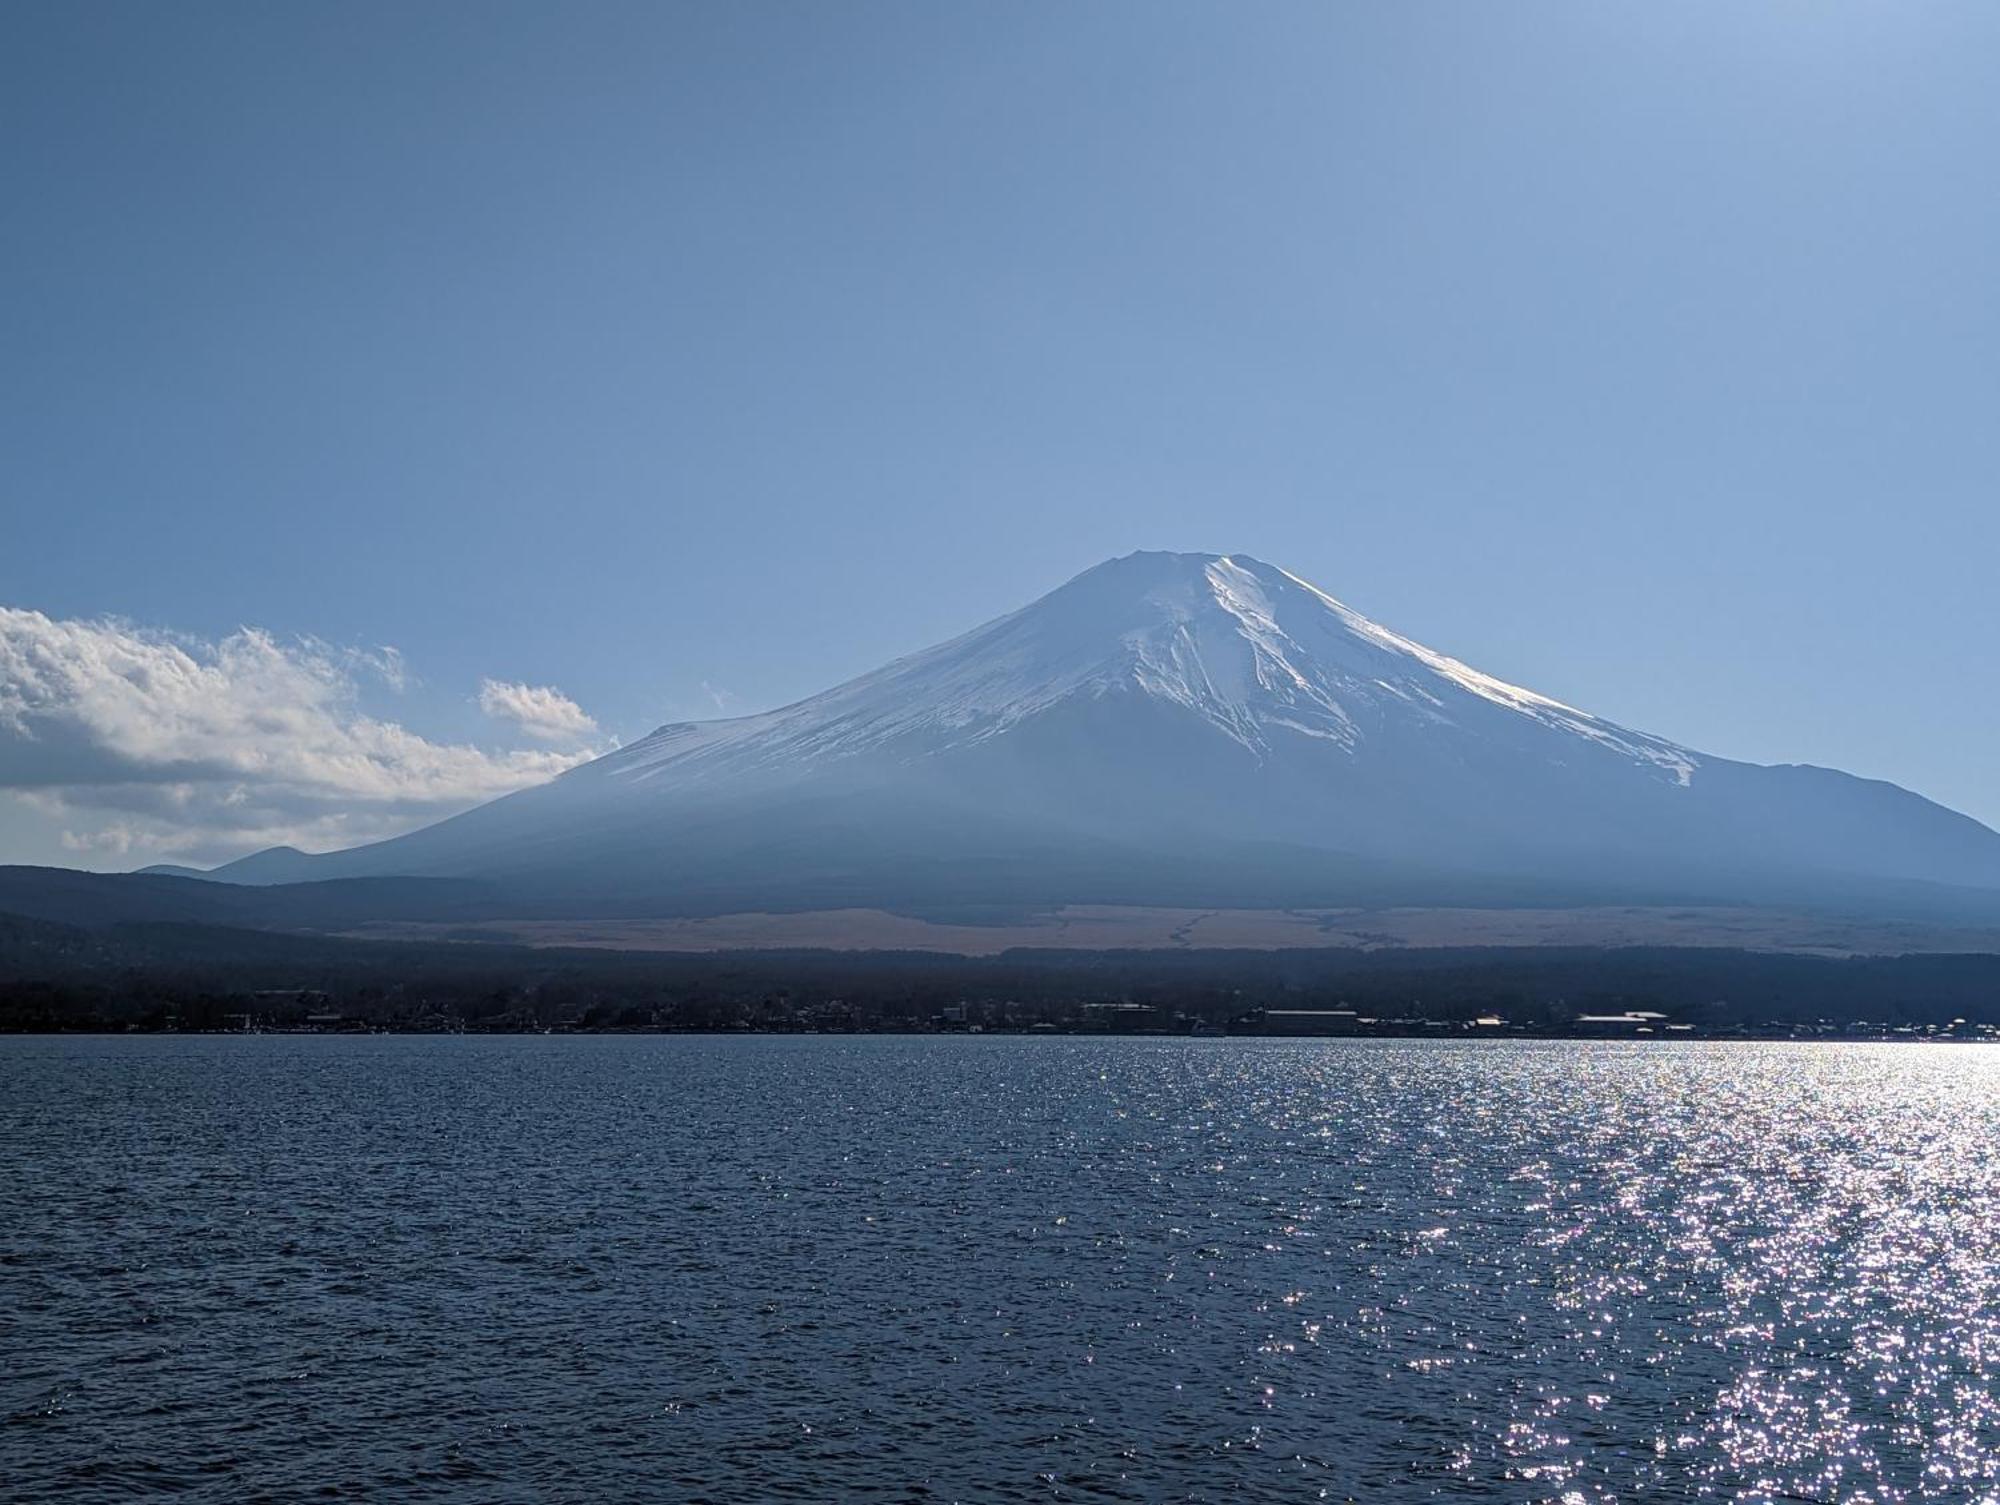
541, 711
144, 742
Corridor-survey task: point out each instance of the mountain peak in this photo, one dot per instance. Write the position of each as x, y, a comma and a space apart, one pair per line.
1164, 566
1240, 646
1210, 707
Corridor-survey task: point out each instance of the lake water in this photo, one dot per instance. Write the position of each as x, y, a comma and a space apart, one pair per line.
601, 1268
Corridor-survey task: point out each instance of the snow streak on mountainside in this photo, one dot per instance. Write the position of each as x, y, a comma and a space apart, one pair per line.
1247, 647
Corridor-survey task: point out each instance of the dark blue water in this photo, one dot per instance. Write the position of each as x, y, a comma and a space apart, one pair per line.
527, 1269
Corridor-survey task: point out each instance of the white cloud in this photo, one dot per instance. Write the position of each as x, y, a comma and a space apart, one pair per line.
541, 711
144, 742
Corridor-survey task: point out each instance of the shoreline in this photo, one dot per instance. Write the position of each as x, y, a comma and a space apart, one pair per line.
1832, 1035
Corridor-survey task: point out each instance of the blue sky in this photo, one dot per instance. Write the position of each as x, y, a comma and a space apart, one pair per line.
682, 357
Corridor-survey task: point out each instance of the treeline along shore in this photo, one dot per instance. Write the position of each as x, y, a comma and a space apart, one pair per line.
160, 977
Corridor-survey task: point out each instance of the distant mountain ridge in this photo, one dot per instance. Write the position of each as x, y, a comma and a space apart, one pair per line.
272, 865
1175, 728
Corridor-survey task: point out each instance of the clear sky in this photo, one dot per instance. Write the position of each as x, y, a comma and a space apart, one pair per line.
632, 361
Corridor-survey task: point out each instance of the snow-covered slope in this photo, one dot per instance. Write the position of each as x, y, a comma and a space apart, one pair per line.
1208, 725
1254, 652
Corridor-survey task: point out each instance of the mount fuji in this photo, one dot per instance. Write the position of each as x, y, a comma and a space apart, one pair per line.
1178, 729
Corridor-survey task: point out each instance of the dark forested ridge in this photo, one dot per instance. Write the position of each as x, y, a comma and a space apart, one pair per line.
55, 976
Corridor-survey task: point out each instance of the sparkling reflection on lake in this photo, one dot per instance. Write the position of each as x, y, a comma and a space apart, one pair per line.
600, 1268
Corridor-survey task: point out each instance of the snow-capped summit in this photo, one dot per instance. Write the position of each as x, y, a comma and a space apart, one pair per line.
1255, 652
1196, 728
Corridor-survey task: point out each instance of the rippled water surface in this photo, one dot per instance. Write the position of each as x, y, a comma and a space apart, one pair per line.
520, 1269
